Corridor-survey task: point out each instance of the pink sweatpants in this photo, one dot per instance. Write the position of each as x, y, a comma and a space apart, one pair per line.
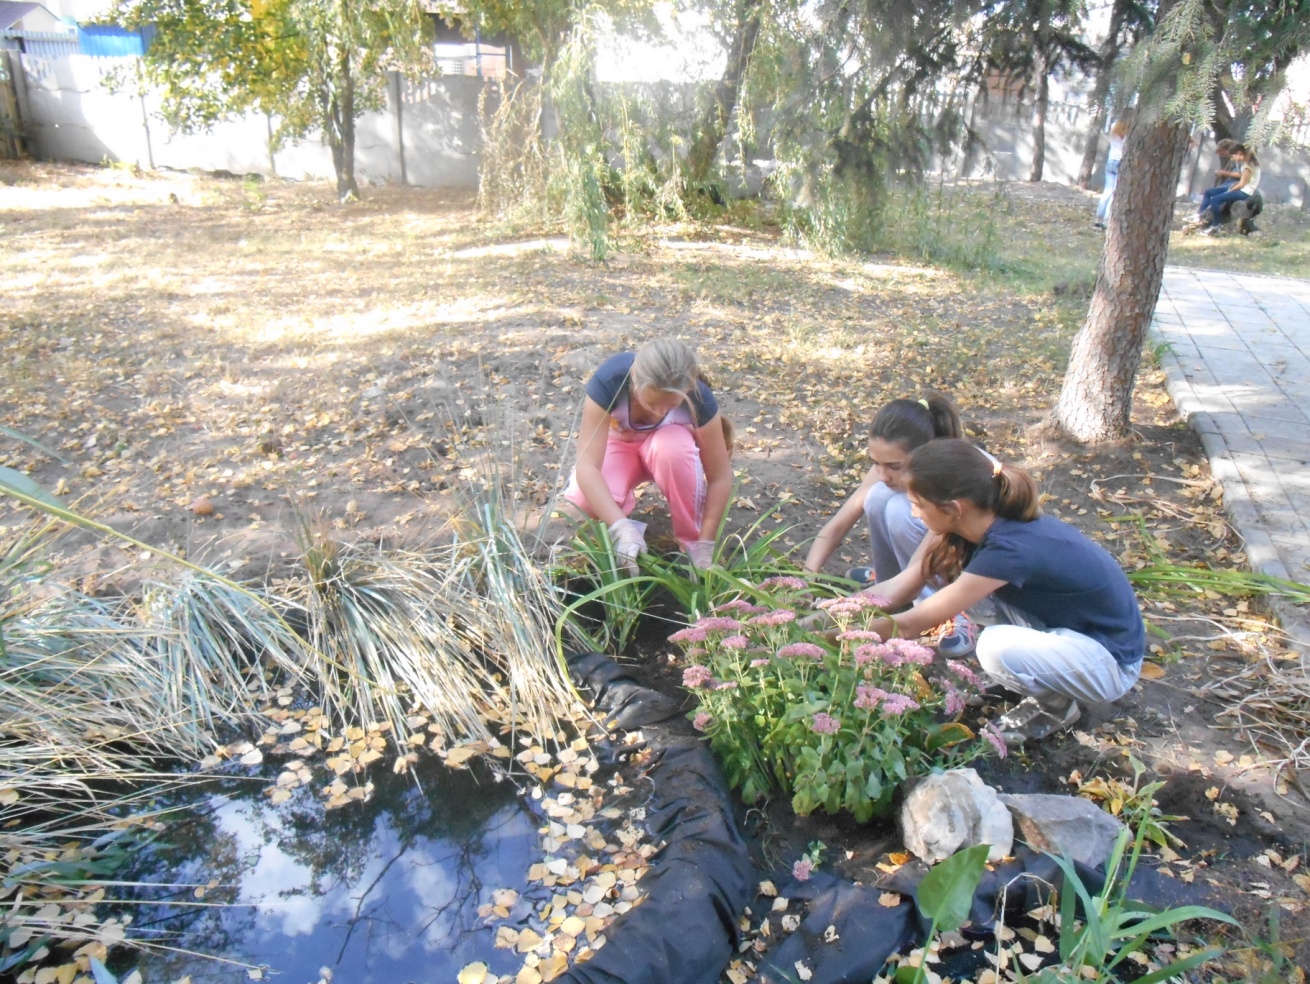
667, 456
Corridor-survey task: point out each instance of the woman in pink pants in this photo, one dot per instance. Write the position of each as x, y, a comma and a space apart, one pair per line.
648, 416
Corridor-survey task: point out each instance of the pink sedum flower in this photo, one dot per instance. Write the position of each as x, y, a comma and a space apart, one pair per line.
802, 869
954, 701
994, 737
825, 724
735, 642
910, 651
894, 705
779, 616
783, 583
697, 676
859, 635
740, 605
868, 697
718, 623
702, 721
962, 671
724, 685
692, 633
760, 662
805, 649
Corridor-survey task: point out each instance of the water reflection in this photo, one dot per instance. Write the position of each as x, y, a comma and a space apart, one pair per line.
385, 892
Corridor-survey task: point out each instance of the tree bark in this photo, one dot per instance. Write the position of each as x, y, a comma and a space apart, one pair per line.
714, 124
1096, 399
1040, 106
339, 126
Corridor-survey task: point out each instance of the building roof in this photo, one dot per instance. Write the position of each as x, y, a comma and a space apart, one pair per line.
12, 11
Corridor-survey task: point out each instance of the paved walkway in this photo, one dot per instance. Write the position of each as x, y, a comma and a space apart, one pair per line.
1238, 367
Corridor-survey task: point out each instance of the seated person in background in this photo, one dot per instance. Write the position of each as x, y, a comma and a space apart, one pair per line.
894, 533
1213, 200
1068, 627
1225, 174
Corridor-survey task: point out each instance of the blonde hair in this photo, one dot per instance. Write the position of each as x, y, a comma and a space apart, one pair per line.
665, 364
669, 366
1120, 128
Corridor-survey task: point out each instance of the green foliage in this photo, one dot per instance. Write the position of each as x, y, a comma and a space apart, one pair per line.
1135, 804
1099, 932
581, 143
946, 893
835, 725
308, 64
514, 175
951, 225
591, 563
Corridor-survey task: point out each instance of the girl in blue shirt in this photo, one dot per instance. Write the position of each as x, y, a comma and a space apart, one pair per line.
1067, 625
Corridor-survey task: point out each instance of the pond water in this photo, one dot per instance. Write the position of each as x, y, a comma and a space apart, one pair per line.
382, 892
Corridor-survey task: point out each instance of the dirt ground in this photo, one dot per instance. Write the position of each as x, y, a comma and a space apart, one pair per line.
208, 363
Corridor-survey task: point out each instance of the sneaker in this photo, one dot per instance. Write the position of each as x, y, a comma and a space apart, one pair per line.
957, 638
1210, 231
863, 575
1099, 225
1031, 720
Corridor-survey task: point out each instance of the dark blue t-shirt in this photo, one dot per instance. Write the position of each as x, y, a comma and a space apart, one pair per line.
1054, 572
609, 387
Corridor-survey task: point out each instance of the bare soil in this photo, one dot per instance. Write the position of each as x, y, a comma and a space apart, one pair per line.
211, 362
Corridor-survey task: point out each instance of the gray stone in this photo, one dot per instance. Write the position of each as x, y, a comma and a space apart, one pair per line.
1065, 826
947, 811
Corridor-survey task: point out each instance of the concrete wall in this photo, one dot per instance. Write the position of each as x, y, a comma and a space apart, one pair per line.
70, 115
1285, 172
428, 135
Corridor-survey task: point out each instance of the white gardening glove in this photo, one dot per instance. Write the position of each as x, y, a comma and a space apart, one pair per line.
629, 537
701, 553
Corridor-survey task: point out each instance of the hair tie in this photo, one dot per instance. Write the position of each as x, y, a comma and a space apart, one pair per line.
924, 403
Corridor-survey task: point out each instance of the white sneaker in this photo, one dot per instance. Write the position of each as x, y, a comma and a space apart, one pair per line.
1031, 720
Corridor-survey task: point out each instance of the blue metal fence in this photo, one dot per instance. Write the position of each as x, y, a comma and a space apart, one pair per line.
99, 41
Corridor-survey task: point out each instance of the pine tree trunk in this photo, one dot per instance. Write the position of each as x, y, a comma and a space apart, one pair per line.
1096, 399
1041, 104
714, 124
1092, 145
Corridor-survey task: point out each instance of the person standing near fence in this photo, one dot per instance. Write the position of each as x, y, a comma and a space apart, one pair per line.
1118, 136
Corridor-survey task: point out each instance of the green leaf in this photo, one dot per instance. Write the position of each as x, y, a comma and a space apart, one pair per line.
10, 432
948, 734
946, 893
1179, 967
18, 482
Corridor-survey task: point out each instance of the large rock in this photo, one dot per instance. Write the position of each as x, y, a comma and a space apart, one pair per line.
947, 811
1065, 826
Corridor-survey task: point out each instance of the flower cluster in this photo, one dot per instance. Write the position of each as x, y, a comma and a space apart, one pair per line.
836, 724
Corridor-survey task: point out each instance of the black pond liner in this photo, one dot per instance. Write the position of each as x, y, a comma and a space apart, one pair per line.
698, 886
685, 931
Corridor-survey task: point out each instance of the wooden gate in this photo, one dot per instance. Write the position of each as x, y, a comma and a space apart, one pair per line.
12, 144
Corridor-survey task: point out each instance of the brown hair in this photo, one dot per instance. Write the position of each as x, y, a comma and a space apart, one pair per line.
1120, 128
947, 470
911, 423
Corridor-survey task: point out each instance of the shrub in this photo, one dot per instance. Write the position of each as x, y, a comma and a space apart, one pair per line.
836, 724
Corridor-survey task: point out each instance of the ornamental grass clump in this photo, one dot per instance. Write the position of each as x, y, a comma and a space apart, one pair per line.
837, 725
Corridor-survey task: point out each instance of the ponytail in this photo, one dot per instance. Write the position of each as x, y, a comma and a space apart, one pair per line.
913, 423
947, 470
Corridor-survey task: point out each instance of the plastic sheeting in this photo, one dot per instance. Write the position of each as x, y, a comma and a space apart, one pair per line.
698, 886
685, 931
